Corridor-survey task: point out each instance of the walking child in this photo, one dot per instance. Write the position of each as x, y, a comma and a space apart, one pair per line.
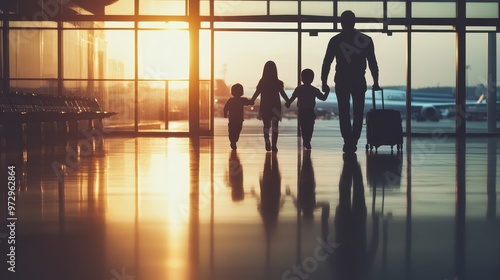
270, 88
234, 106
306, 95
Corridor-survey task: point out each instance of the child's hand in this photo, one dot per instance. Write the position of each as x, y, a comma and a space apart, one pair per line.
287, 104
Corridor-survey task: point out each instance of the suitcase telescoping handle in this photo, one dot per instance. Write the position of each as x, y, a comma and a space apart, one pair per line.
373, 98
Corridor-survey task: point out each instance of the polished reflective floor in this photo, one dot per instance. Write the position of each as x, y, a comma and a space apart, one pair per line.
182, 209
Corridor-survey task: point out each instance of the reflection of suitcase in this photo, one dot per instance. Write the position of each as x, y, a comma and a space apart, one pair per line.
383, 127
384, 170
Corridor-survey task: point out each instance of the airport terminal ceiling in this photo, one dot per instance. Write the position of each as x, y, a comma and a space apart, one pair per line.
423, 12
135, 50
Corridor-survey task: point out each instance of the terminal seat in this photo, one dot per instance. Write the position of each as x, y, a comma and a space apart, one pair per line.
30, 118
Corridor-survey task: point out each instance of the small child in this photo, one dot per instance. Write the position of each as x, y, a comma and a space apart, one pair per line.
306, 94
234, 106
270, 88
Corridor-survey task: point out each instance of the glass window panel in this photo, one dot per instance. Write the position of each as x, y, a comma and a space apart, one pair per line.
164, 54
396, 9
84, 54
162, 7
152, 97
164, 24
433, 79
82, 24
239, 8
317, 25
317, 8
33, 24
477, 82
120, 99
283, 8
163, 106
101, 25
118, 24
77, 88
433, 10
119, 54
362, 8
230, 58
205, 24
481, 28
35, 86
205, 54
397, 28
370, 26
206, 98
481, 10
33, 53
204, 8
433, 27
391, 58
243, 25
205, 105
122, 7
76, 57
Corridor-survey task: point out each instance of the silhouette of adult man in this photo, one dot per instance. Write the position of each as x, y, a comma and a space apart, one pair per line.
351, 49
355, 255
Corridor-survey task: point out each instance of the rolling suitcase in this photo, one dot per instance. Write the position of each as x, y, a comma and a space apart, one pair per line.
383, 126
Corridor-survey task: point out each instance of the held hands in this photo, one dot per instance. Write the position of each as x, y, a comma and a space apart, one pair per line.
325, 88
287, 104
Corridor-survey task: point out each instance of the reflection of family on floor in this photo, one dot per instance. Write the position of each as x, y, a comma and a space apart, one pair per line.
354, 253
352, 51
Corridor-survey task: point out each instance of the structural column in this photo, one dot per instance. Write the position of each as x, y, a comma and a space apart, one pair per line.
460, 88
194, 67
492, 83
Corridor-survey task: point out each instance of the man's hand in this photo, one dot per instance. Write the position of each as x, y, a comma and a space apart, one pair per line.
287, 104
325, 88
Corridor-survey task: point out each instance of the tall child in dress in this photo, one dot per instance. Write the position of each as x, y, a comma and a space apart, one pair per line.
270, 88
306, 95
234, 106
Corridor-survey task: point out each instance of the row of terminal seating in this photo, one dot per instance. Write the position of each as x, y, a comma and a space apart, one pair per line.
32, 119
